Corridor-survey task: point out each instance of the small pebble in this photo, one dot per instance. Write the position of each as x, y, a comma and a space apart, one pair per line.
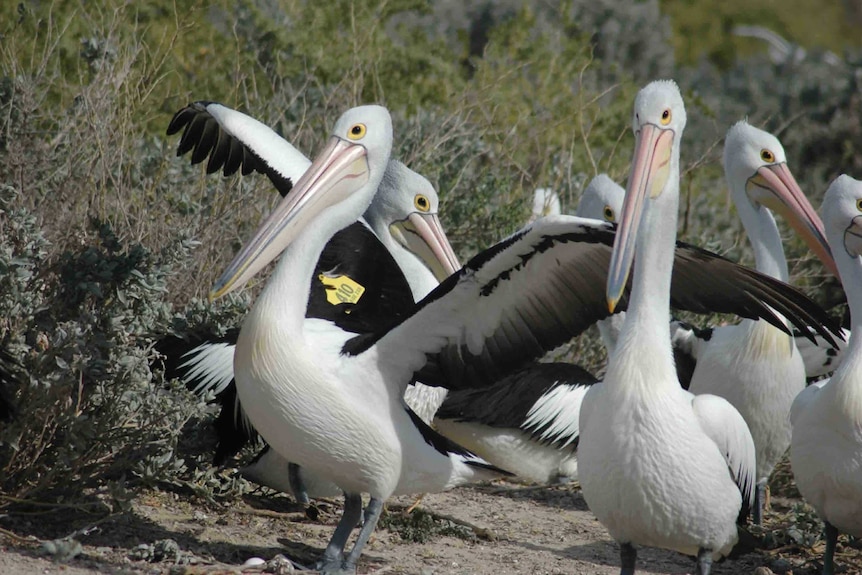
763, 571
253, 562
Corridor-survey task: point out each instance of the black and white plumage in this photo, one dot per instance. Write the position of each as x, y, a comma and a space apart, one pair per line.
527, 423
658, 466
826, 444
398, 249
333, 403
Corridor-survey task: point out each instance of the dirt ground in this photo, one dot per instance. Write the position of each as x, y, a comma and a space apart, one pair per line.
495, 529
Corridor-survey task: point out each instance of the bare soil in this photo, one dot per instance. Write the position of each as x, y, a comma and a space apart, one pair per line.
495, 529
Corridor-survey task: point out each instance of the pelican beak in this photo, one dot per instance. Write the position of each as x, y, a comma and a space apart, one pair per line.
774, 187
422, 234
650, 170
339, 170
853, 237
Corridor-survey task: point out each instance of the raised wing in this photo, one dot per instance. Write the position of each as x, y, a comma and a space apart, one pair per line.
233, 141
546, 284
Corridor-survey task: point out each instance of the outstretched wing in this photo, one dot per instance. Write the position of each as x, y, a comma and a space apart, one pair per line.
545, 285
233, 141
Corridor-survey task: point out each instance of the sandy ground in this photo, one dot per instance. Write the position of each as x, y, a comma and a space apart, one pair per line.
504, 528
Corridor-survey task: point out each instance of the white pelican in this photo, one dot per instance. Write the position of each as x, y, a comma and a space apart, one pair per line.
754, 365
826, 447
333, 403
403, 217
657, 465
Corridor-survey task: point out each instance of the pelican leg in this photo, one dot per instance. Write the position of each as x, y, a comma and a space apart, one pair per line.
333, 555
704, 561
759, 501
829, 553
372, 514
628, 557
297, 485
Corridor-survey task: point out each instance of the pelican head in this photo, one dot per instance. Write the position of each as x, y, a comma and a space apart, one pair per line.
546, 202
658, 122
842, 215
345, 175
602, 200
759, 179
405, 207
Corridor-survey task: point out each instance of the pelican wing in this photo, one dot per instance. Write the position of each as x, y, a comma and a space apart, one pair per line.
819, 357
545, 285
543, 399
687, 341
233, 141
728, 430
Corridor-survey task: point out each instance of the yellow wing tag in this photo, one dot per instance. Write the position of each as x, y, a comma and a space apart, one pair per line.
341, 289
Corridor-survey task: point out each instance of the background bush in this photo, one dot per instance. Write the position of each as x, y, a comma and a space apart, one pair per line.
108, 241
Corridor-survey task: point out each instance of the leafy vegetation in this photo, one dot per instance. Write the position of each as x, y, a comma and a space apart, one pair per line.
107, 240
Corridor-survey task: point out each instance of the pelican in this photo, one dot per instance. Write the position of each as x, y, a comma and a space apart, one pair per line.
528, 422
826, 445
753, 365
546, 202
332, 401
657, 465
404, 221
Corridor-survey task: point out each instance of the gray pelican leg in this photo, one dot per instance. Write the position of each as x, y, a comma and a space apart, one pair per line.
829, 553
297, 485
628, 557
759, 501
372, 514
704, 561
333, 555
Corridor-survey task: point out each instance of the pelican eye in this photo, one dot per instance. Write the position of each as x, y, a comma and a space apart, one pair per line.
356, 132
859, 204
665, 117
421, 202
608, 213
767, 156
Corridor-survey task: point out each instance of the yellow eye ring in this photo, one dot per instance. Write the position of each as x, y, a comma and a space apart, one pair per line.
666, 117
356, 132
422, 203
859, 204
767, 156
608, 213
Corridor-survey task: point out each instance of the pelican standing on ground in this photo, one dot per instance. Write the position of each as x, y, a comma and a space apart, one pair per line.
754, 365
332, 413
403, 216
826, 447
658, 466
